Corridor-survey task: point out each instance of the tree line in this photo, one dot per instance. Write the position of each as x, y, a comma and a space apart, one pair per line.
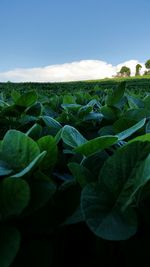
126, 72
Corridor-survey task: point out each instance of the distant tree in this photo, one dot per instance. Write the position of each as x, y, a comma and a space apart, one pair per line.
145, 72
138, 67
147, 64
125, 71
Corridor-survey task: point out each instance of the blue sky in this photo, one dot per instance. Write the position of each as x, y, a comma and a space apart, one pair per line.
39, 33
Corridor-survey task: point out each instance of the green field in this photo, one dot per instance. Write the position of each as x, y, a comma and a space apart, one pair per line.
132, 83
75, 174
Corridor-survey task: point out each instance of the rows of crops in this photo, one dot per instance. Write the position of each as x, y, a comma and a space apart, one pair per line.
75, 179
135, 84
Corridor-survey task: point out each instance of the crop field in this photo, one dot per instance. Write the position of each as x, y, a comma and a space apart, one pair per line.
75, 174
135, 84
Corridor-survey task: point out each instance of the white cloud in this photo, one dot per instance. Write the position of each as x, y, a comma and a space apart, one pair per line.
75, 71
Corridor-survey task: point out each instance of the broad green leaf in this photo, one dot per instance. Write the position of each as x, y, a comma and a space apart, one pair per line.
26, 119
3, 104
116, 95
14, 196
106, 130
58, 136
134, 102
71, 107
69, 99
107, 205
0, 145
9, 245
126, 133
35, 131
143, 202
121, 104
93, 116
47, 111
147, 101
80, 173
11, 111
94, 103
4, 169
122, 124
118, 169
71, 136
35, 109
15, 95
50, 122
48, 143
63, 176
103, 217
110, 113
142, 138
27, 99
32, 165
55, 101
96, 145
84, 110
18, 150
137, 114
42, 189
95, 163
137, 181
69, 151
147, 128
